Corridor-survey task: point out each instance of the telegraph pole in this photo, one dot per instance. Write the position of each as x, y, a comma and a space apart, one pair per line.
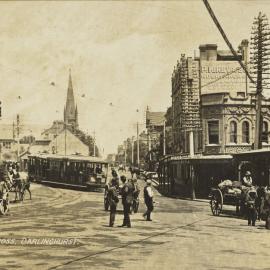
260, 66
94, 142
149, 144
164, 138
132, 150
18, 134
65, 138
138, 146
125, 148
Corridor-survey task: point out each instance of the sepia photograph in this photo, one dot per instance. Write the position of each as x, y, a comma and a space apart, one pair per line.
135, 135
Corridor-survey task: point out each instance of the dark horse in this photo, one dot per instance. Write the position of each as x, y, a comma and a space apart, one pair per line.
20, 184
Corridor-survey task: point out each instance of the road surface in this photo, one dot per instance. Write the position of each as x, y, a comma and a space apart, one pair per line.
68, 229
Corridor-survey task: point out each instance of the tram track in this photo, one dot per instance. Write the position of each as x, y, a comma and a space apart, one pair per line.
58, 194
155, 235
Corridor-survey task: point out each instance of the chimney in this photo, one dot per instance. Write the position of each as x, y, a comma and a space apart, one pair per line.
208, 52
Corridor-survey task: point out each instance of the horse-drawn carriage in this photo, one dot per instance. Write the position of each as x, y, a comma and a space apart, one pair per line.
252, 202
227, 192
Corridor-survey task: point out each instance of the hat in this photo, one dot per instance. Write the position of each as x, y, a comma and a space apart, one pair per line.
148, 182
248, 173
123, 178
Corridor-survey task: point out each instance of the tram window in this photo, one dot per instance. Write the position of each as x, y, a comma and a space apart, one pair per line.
98, 169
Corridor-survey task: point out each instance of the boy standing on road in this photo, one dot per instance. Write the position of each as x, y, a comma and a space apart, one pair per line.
148, 199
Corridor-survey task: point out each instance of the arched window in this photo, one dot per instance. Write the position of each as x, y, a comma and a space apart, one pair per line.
233, 132
245, 132
265, 132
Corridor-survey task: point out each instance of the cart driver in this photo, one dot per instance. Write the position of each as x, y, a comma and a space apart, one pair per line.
247, 179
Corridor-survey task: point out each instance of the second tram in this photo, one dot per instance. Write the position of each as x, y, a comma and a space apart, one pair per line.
76, 171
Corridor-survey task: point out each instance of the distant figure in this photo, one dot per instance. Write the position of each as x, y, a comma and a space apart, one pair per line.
148, 199
247, 179
113, 200
98, 170
131, 171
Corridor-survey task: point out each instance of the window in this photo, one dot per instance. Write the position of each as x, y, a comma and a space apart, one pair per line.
245, 132
213, 132
233, 132
265, 132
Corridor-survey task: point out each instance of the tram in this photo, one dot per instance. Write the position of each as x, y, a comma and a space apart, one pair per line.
73, 171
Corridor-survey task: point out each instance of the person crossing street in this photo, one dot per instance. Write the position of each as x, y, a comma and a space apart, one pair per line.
149, 200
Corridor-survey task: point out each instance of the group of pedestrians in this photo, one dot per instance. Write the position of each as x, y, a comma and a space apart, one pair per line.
129, 191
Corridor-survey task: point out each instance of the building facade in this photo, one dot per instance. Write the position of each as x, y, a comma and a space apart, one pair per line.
213, 104
213, 118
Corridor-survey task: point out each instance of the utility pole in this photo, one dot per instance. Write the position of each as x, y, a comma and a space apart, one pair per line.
164, 138
94, 143
65, 124
18, 134
132, 151
125, 148
56, 137
260, 67
149, 144
138, 146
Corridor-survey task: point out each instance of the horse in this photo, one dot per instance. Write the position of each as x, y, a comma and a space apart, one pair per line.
19, 184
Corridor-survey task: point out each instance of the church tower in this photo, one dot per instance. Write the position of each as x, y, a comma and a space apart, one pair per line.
70, 110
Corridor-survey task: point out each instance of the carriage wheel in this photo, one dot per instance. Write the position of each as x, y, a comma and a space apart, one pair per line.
216, 202
4, 207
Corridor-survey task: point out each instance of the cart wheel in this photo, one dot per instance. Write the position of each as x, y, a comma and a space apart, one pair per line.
216, 202
4, 207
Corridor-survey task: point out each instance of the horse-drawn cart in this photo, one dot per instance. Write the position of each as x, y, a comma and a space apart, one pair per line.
229, 193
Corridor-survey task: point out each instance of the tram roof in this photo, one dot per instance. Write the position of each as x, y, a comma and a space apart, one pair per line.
253, 152
208, 158
70, 157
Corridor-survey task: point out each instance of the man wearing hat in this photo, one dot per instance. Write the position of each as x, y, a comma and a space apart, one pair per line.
247, 179
127, 199
113, 200
148, 199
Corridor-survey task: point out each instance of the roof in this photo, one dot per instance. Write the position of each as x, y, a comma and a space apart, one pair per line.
70, 157
155, 118
38, 148
56, 128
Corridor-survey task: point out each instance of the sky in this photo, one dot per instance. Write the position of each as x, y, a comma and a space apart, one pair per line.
121, 55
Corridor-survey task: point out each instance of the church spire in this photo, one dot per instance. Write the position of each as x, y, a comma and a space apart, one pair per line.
70, 111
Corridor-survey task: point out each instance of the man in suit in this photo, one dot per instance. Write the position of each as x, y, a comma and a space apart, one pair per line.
127, 199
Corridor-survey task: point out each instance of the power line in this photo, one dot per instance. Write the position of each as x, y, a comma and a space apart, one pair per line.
208, 7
